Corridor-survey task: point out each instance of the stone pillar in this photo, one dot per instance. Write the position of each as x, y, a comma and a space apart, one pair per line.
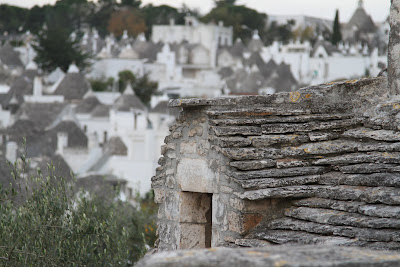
394, 49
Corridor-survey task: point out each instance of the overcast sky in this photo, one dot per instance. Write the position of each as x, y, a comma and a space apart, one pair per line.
378, 9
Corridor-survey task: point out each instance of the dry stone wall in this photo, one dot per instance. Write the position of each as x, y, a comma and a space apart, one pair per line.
316, 166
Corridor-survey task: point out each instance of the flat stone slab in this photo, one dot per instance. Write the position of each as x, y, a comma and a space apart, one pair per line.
267, 140
279, 119
279, 182
253, 164
232, 142
251, 153
377, 210
342, 218
276, 173
371, 157
288, 256
373, 180
381, 135
236, 130
281, 192
364, 234
307, 127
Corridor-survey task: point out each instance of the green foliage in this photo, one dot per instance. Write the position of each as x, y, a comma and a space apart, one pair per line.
224, 2
12, 18
36, 19
143, 87
161, 15
131, 3
99, 18
337, 34
306, 34
244, 20
280, 33
50, 226
56, 48
102, 84
72, 13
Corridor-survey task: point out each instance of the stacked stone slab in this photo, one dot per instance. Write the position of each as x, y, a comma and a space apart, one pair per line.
316, 166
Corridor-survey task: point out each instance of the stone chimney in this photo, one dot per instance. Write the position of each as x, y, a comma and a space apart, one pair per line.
62, 142
11, 151
394, 49
37, 86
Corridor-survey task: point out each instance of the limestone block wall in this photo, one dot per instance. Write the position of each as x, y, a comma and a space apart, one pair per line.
317, 166
190, 180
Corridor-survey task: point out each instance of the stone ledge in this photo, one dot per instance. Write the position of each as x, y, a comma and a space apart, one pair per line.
306, 95
289, 256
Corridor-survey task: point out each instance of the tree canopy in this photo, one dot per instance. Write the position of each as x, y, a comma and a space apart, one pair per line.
56, 48
336, 34
143, 87
127, 19
281, 33
244, 20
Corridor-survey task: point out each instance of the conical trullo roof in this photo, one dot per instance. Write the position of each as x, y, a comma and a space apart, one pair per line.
74, 85
361, 20
128, 100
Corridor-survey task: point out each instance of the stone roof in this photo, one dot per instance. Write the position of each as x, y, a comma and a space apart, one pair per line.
128, 100
255, 44
261, 76
41, 114
22, 128
87, 105
324, 160
22, 85
269, 68
283, 80
238, 49
101, 185
76, 137
41, 142
328, 46
73, 86
225, 72
9, 57
101, 111
151, 51
115, 146
61, 167
361, 21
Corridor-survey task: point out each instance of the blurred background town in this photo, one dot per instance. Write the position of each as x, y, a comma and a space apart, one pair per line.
87, 83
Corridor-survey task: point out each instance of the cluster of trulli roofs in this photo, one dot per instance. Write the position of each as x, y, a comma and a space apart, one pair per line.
115, 135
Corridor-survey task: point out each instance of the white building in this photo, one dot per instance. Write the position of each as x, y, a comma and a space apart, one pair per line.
208, 37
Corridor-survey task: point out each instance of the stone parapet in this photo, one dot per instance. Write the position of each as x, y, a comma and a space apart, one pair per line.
288, 256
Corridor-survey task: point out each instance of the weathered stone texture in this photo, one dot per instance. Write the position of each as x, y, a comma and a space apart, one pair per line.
253, 164
329, 154
194, 175
288, 256
394, 49
193, 237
